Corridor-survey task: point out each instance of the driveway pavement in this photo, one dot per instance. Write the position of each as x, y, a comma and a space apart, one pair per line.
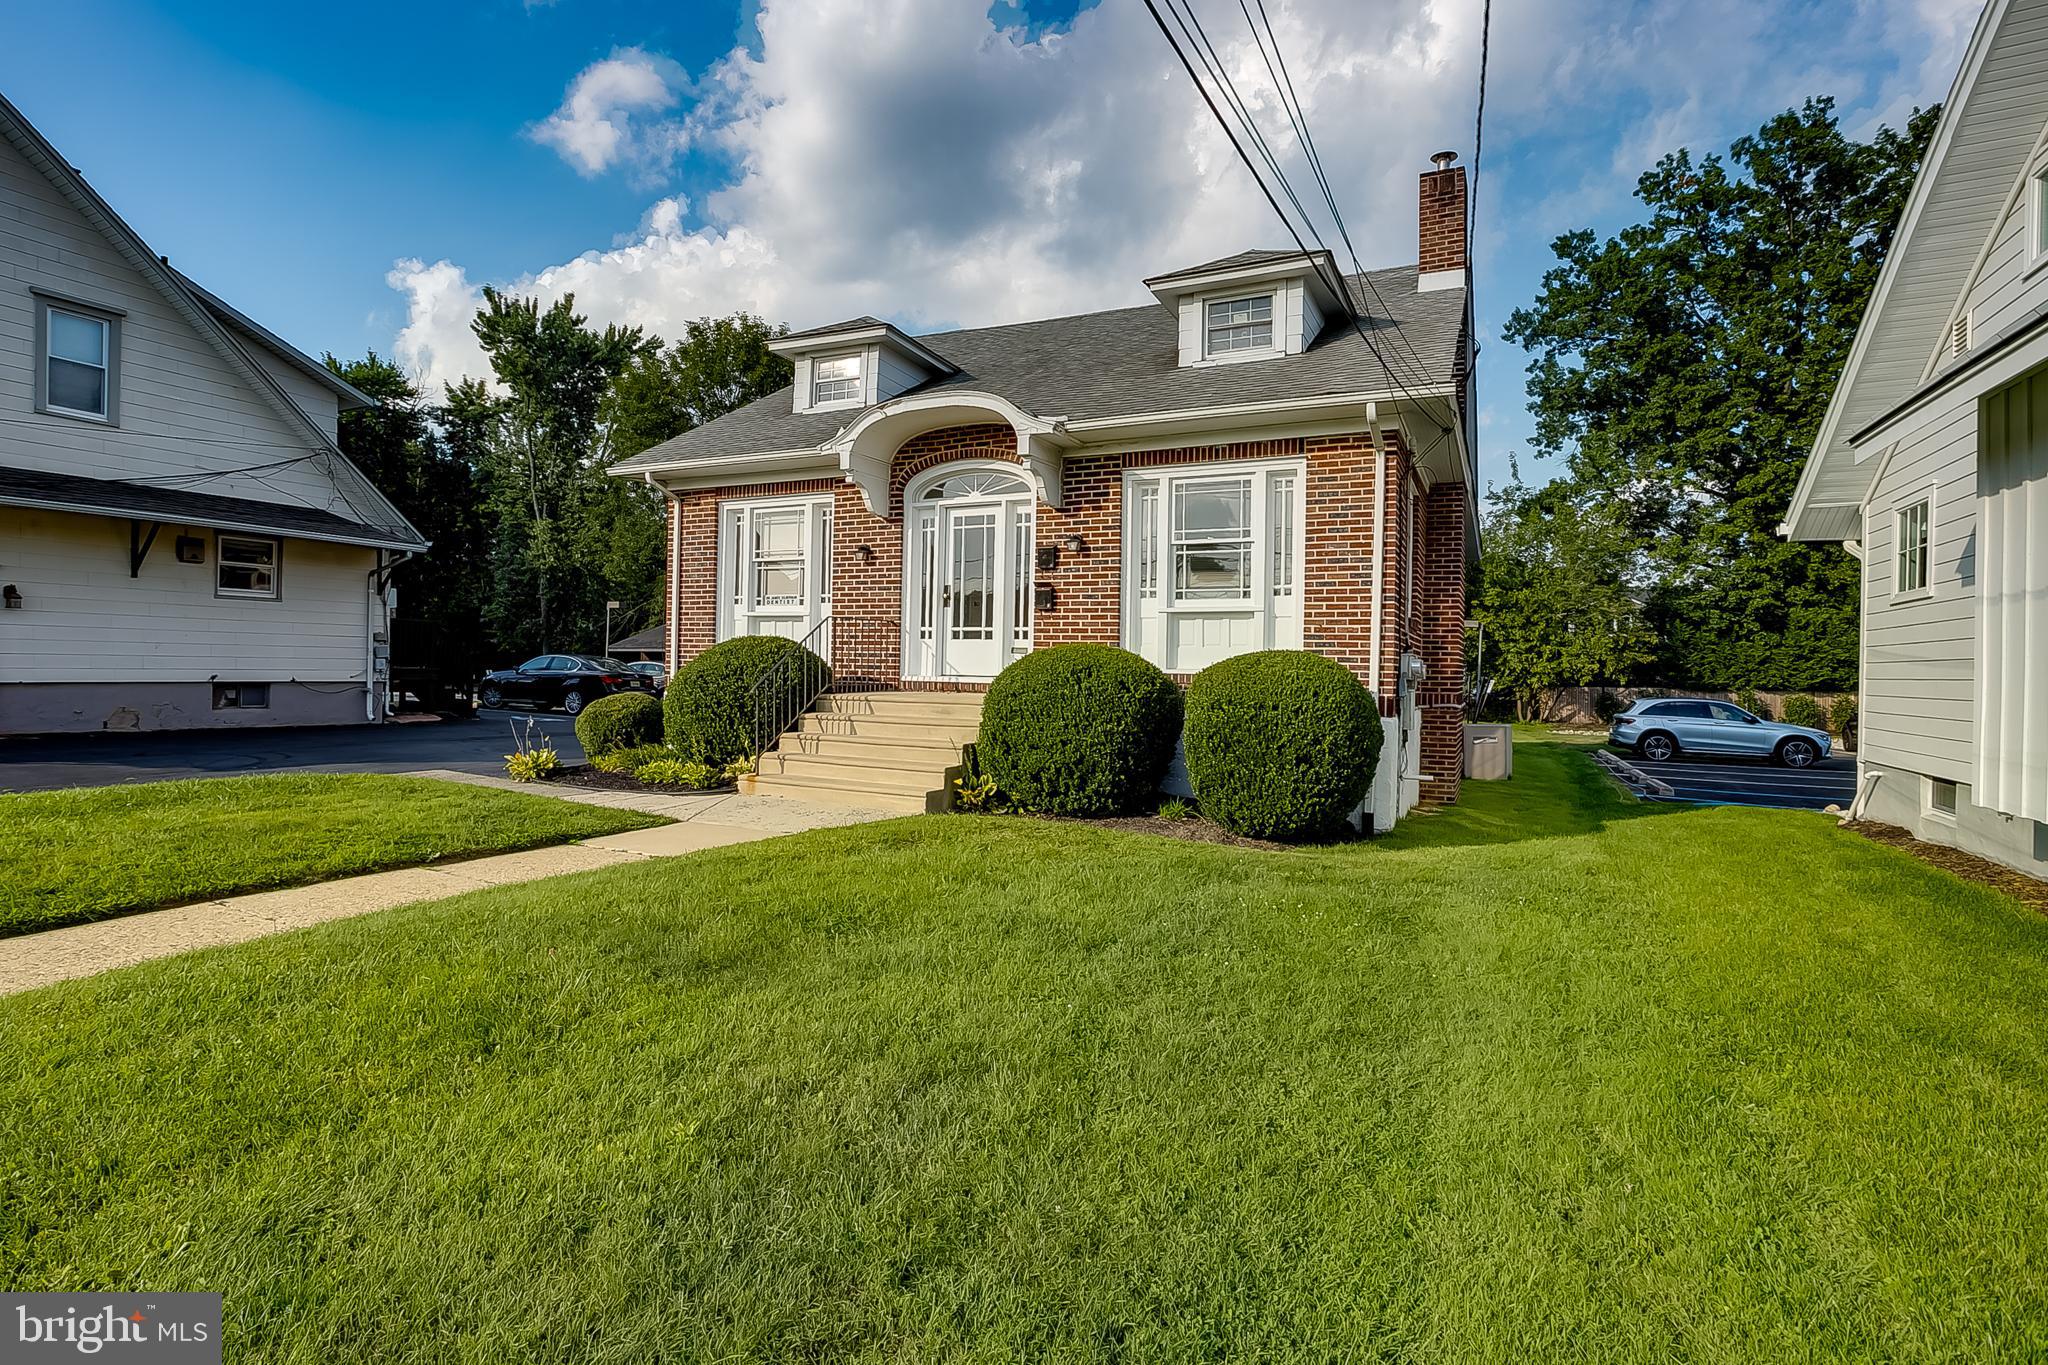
1755, 782
477, 745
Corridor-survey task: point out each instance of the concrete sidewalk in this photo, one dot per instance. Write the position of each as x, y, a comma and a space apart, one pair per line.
33, 960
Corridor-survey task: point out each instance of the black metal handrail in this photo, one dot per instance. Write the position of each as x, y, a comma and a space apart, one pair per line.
840, 654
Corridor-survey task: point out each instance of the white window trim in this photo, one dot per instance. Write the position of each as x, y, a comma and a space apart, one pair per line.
1901, 596
860, 379
1261, 599
220, 564
1933, 812
817, 562
1276, 303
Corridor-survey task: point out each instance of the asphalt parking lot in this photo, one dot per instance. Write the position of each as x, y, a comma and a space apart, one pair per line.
1753, 782
470, 745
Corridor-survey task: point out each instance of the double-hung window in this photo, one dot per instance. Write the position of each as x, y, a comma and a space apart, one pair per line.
1911, 552
778, 556
1239, 325
246, 566
1212, 539
76, 368
835, 380
774, 566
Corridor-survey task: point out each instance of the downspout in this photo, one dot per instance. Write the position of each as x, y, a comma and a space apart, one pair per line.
1379, 538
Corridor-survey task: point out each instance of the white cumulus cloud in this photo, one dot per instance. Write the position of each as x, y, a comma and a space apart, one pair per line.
920, 160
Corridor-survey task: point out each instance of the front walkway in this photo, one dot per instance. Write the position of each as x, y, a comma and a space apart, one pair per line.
701, 820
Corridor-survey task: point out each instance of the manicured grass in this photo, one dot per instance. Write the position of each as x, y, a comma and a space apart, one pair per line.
1550, 1077
71, 856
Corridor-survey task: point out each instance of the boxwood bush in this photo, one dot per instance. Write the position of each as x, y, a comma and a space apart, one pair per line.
624, 720
708, 712
1079, 730
1281, 744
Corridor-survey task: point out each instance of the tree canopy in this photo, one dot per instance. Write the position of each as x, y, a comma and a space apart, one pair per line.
1682, 366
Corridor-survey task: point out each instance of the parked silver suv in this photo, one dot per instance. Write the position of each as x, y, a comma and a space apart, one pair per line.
1662, 728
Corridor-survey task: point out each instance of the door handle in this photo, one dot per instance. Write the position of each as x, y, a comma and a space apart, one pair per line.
946, 595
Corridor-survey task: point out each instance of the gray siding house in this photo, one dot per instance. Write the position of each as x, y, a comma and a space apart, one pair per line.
182, 543
1932, 466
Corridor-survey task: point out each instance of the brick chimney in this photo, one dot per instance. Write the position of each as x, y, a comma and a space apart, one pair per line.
1442, 238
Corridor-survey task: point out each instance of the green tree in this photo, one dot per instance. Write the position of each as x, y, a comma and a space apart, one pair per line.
399, 446
1554, 597
545, 456
1683, 365
717, 365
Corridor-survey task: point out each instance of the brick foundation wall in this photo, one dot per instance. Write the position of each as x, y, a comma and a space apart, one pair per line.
1345, 474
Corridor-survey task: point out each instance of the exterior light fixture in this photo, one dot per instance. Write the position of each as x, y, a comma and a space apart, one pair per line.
865, 553
11, 595
1075, 545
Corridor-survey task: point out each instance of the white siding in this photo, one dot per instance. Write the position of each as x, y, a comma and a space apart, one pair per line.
2012, 767
313, 398
83, 619
2004, 291
893, 374
182, 406
1919, 679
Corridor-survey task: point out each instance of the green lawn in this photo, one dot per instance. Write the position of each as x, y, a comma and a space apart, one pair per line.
1550, 1077
71, 856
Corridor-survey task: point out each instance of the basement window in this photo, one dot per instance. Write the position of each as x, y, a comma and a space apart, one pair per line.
1941, 799
241, 696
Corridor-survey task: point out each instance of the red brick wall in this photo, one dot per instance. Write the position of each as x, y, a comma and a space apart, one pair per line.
1343, 480
1442, 236
1439, 637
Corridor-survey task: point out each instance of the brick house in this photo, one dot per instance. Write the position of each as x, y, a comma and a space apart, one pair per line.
1271, 456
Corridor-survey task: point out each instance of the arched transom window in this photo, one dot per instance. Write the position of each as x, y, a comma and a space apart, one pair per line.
976, 483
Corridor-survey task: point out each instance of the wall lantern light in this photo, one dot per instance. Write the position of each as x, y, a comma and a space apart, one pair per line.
1075, 545
866, 554
11, 595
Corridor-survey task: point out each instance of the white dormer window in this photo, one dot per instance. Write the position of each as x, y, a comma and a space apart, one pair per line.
1238, 325
835, 380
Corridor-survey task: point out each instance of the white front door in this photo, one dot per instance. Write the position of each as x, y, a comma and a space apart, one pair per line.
971, 590
968, 533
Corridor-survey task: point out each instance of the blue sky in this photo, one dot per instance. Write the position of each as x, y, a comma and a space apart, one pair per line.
352, 176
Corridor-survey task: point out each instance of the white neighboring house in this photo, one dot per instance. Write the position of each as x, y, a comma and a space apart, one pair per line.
1932, 466
182, 543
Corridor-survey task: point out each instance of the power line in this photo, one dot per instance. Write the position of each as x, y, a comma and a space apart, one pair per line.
1341, 290
1290, 104
1479, 125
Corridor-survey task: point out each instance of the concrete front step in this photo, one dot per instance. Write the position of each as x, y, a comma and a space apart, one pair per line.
913, 779
948, 733
902, 705
923, 750
833, 793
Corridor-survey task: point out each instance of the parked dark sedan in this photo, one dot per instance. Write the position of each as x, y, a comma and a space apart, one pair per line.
568, 681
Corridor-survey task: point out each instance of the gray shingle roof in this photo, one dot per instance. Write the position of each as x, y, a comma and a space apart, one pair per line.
850, 325
113, 497
1126, 363
1256, 256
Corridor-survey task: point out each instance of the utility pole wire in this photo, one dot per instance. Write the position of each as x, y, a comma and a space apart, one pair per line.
1342, 292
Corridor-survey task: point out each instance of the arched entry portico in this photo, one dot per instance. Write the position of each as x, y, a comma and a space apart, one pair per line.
967, 557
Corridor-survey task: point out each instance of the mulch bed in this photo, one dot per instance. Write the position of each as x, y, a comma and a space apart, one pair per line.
1971, 868
591, 779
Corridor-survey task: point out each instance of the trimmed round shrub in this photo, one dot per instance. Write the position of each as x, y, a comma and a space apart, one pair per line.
708, 712
1801, 709
624, 720
1079, 730
1281, 744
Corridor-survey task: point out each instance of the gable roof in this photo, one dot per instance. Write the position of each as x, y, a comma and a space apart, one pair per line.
346, 394
190, 303
1993, 120
53, 492
1126, 363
